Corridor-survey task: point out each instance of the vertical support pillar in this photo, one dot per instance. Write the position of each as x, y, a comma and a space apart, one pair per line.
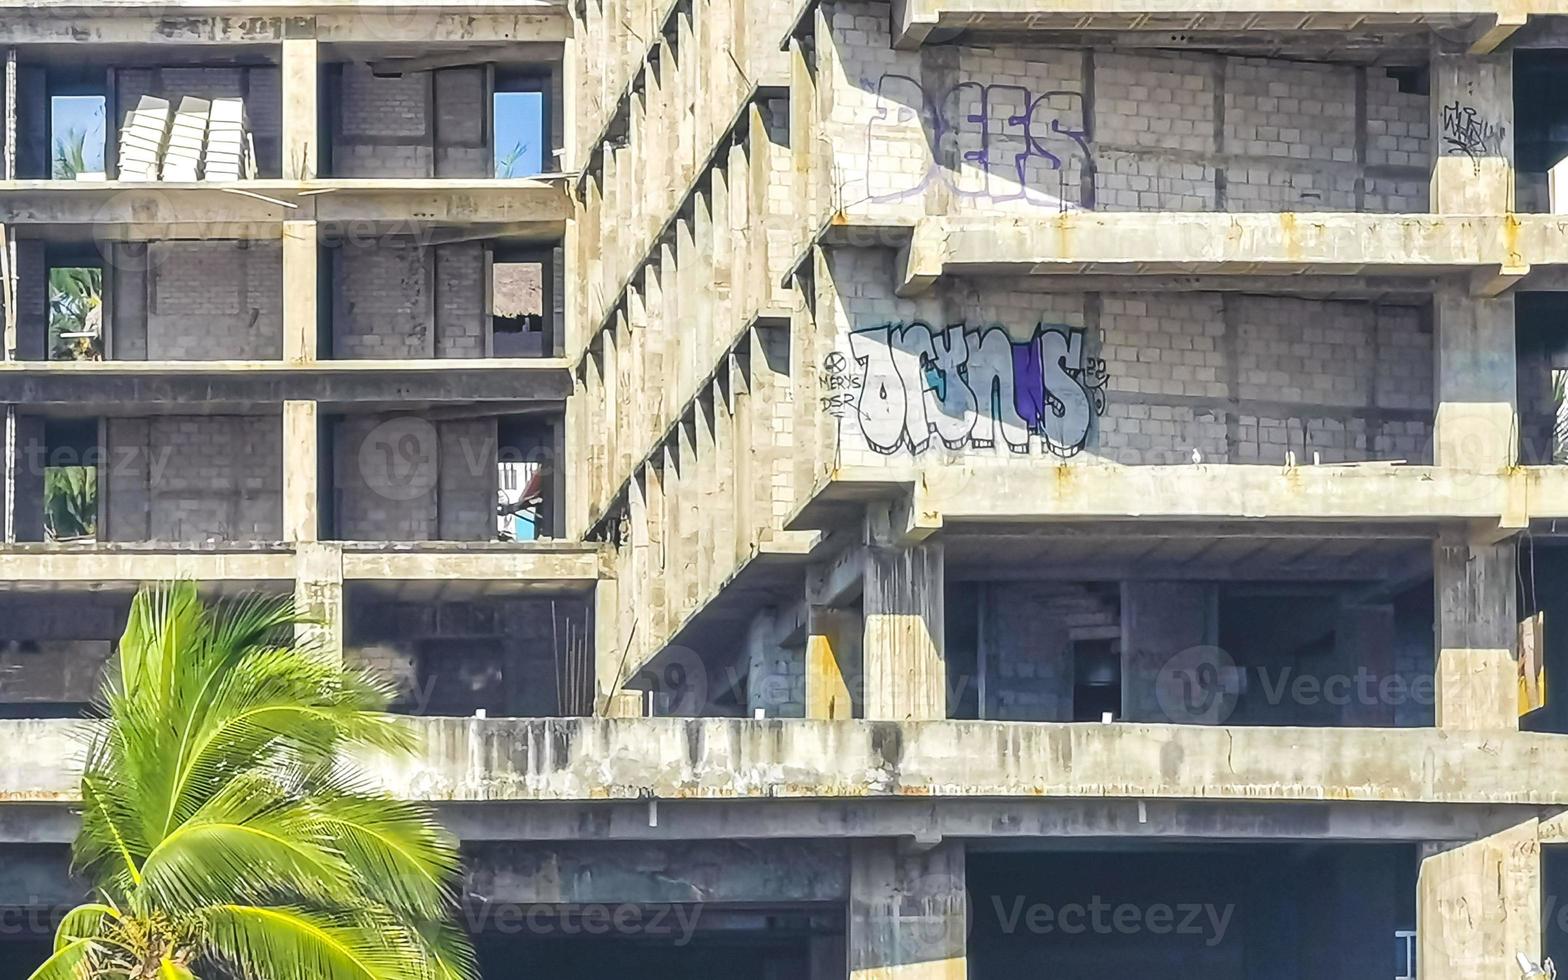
301, 124
1476, 426
1478, 905
318, 596
904, 649
301, 470
611, 700
907, 914
25, 480
1477, 635
301, 332
833, 662
1472, 130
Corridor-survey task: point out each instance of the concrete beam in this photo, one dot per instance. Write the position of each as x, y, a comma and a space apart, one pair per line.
1203, 492
384, 25
1016, 819
256, 209
108, 567
838, 580
1190, 244
1499, 28
719, 758
711, 872
117, 385
574, 567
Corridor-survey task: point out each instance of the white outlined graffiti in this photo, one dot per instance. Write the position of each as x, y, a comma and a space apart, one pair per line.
971, 388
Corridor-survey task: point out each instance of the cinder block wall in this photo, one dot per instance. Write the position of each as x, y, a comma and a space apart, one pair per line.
1234, 377
260, 87
53, 648
400, 478
199, 301
193, 479
968, 129
398, 299
421, 124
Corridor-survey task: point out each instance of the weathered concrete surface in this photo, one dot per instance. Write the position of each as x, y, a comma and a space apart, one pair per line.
115, 210
1137, 243
566, 566
172, 25
1025, 489
712, 758
908, 915
1479, 906
718, 871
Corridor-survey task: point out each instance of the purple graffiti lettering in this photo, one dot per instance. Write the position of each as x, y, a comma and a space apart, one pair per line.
973, 388
993, 142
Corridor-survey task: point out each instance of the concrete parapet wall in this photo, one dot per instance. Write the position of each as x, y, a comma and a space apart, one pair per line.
676, 758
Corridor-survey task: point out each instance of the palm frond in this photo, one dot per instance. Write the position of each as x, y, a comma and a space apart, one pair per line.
296, 944
227, 823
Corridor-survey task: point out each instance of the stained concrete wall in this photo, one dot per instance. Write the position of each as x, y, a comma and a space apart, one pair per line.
400, 478
1126, 378
1018, 127
399, 299
192, 479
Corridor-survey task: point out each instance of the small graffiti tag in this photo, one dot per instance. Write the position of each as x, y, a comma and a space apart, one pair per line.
1466, 132
840, 386
970, 388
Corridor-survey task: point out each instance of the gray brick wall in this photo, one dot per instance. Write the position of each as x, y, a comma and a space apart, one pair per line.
205, 301
398, 299
1031, 127
194, 479
421, 124
1234, 377
400, 478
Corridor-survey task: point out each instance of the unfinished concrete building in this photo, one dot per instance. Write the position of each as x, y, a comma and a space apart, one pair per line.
926, 489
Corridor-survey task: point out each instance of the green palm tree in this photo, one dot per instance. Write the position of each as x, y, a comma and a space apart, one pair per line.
226, 829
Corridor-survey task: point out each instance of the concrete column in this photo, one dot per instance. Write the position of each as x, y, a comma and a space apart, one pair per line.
1477, 635
834, 666
301, 471
827, 958
610, 656
1169, 628
1472, 131
903, 646
28, 460
907, 914
301, 332
300, 119
1476, 425
1478, 906
318, 595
